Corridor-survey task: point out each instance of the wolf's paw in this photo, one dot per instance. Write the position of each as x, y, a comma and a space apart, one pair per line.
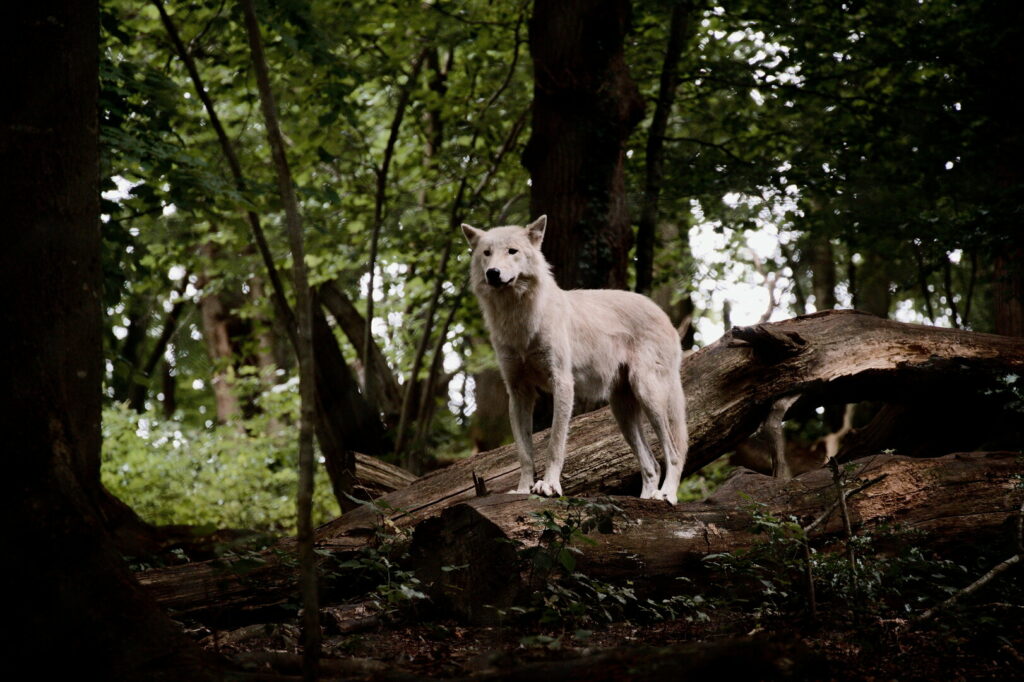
521, 490
546, 489
671, 497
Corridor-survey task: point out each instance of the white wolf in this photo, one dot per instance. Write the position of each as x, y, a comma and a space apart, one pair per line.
599, 344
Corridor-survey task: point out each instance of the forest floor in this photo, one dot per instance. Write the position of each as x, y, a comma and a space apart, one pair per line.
983, 642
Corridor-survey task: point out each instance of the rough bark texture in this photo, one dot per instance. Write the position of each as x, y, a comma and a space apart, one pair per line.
584, 106
829, 357
375, 477
74, 593
1008, 293
954, 499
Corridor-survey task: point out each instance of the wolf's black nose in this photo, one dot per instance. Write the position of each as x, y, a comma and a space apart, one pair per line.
494, 277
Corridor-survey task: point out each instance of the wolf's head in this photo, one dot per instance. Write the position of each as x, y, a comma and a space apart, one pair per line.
507, 258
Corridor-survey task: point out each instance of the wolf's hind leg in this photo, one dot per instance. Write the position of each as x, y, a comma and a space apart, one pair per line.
658, 401
626, 409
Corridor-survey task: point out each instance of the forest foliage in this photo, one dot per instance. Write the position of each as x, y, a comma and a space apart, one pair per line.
876, 144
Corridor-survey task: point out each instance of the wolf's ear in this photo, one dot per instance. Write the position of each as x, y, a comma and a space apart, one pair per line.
472, 234
535, 230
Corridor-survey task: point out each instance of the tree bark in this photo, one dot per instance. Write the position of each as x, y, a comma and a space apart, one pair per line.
345, 421
585, 104
215, 318
74, 593
951, 499
1008, 293
837, 356
822, 262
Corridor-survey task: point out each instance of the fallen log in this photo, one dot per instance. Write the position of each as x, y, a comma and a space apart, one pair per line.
953, 499
375, 477
731, 387
837, 356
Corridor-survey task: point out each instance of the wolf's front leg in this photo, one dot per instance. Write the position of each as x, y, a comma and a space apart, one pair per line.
520, 411
562, 393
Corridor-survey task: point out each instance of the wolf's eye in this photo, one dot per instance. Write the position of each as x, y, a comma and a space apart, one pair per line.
513, 251
487, 252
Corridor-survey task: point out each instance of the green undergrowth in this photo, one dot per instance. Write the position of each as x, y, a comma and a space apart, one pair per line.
230, 476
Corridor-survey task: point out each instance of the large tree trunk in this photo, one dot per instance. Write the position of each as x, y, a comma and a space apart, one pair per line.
732, 386
74, 595
584, 106
950, 499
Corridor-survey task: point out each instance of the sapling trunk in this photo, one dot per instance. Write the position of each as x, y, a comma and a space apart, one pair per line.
304, 347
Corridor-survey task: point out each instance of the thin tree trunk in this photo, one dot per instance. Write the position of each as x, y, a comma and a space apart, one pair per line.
922, 281
428, 399
680, 28
408, 459
126, 363
947, 282
215, 317
141, 388
169, 386
380, 199
871, 293
307, 373
1008, 296
823, 271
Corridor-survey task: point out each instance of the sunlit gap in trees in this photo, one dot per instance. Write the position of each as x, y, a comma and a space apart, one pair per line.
743, 267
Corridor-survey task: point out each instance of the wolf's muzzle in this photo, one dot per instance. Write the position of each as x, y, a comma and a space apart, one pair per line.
494, 277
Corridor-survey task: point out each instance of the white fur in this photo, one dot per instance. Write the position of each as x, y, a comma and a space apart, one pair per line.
599, 344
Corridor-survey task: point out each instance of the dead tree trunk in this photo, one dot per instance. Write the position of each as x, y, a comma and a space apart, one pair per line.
731, 386
951, 499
